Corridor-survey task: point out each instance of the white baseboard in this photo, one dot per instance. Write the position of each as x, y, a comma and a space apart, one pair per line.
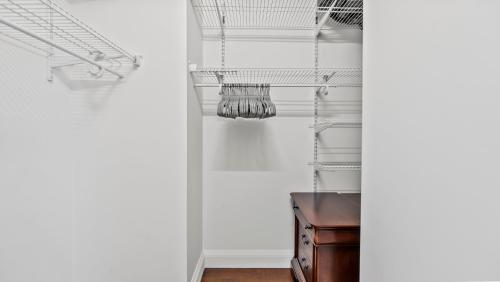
198, 271
248, 258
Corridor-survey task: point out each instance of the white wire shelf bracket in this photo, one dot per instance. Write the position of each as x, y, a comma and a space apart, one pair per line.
43, 25
347, 166
279, 14
340, 14
324, 125
277, 77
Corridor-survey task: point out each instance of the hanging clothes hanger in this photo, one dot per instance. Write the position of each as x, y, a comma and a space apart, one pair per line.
246, 101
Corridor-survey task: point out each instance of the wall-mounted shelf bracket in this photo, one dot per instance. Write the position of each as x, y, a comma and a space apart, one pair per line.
221, 17
324, 89
324, 125
324, 19
220, 79
192, 67
137, 60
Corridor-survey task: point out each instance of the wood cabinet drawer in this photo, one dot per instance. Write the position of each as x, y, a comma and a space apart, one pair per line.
305, 264
338, 237
326, 236
305, 243
297, 271
306, 226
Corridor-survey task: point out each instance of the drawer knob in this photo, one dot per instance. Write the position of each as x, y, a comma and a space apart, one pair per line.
303, 236
306, 242
309, 227
303, 259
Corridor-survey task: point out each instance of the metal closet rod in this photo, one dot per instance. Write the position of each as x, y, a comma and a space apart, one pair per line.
55, 45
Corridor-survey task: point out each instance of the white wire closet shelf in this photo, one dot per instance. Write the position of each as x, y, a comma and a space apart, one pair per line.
336, 166
326, 124
277, 77
279, 14
43, 25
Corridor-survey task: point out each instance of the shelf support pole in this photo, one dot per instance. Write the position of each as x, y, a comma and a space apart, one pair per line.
50, 43
222, 20
325, 17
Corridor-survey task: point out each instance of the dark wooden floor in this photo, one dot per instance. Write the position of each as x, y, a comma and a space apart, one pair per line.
247, 275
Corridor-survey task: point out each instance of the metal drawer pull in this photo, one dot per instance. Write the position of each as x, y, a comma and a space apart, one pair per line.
303, 236
304, 260
306, 242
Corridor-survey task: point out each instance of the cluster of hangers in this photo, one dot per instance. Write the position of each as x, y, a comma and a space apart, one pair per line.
246, 101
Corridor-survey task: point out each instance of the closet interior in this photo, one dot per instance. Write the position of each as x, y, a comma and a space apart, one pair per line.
307, 54
336, 104
249, 140
277, 110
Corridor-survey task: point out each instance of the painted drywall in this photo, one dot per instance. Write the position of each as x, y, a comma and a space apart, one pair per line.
35, 170
430, 141
250, 167
249, 173
93, 176
194, 153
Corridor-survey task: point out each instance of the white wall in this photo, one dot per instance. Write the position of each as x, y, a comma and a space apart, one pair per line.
249, 172
430, 176
35, 171
250, 167
194, 153
93, 180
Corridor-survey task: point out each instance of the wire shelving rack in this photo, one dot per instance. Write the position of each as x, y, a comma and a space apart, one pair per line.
245, 17
336, 166
279, 14
63, 38
277, 77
